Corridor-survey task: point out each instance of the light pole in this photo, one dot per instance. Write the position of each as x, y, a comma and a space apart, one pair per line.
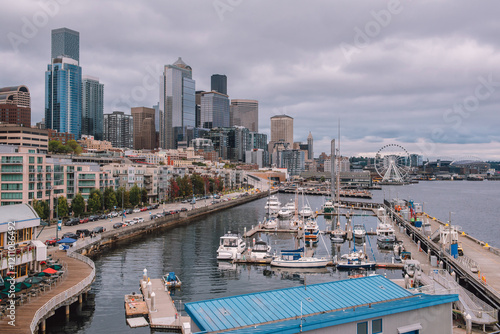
57, 217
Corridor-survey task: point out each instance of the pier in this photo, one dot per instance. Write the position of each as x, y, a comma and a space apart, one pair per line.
343, 193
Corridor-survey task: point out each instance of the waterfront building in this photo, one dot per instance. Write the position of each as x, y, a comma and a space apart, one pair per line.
126, 175
63, 84
214, 110
365, 305
62, 137
218, 83
245, 113
119, 129
25, 252
17, 135
144, 128
15, 105
292, 160
310, 151
177, 102
92, 107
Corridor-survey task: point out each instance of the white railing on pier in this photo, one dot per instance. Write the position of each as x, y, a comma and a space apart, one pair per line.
469, 263
65, 295
80, 243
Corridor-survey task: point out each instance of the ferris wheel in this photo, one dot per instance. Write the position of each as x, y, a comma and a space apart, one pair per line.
392, 163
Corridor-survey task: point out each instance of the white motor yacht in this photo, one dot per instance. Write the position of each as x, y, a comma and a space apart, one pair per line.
306, 211
261, 250
231, 245
272, 205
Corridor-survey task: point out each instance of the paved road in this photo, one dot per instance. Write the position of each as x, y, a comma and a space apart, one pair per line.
50, 232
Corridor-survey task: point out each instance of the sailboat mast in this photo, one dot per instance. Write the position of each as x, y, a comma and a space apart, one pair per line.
337, 162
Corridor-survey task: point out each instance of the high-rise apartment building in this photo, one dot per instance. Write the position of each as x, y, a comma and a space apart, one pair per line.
177, 103
218, 83
63, 84
144, 128
214, 110
92, 107
118, 129
15, 105
281, 132
245, 113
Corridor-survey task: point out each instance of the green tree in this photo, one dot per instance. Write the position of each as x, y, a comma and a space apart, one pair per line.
144, 195
42, 208
62, 206
101, 198
110, 198
94, 203
185, 187
55, 146
198, 184
78, 205
121, 193
73, 145
135, 195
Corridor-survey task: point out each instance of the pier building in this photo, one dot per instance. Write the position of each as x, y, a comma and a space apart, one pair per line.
370, 304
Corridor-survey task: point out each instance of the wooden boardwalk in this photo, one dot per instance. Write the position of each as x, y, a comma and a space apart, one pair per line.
76, 272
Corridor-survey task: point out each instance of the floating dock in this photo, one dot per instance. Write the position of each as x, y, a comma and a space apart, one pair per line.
135, 306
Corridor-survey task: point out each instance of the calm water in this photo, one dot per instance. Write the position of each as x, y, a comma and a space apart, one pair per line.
190, 251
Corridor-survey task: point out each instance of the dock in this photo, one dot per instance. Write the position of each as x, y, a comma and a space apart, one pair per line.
343, 193
162, 312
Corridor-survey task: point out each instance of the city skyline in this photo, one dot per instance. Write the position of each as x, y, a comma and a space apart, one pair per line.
432, 88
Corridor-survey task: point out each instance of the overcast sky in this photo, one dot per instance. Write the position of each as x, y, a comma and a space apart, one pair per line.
421, 74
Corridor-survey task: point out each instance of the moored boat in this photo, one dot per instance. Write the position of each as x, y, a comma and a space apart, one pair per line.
231, 245
306, 211
171, 281
261, 250
272, 205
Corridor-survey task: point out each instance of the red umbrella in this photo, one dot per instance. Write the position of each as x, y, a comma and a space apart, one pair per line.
49, 271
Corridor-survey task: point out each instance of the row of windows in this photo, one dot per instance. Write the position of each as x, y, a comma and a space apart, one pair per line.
12, 195
12, 186
376, 327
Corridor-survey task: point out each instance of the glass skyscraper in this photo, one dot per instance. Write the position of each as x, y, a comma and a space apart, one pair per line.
177, 103
63, 84
214, 110
63, 96
218, 83
65, 43
92, 107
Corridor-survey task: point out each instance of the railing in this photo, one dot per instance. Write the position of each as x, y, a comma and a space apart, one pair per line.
80, 243
469, 263
65, 295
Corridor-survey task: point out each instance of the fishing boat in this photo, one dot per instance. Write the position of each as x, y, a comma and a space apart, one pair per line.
359, 231
231, 245
306, 211
272, 205
311, 231
171, 281
260, 250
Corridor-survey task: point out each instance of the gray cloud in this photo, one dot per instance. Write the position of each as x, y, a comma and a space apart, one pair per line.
398, 87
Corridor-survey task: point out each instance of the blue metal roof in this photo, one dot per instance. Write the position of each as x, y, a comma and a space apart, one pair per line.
276, 309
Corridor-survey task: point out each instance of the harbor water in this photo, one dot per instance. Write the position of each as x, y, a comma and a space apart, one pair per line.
190, 251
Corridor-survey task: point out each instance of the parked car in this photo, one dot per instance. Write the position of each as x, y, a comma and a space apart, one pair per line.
137, 210
84, 220
144, 209
138, 219
98, 229
183, 209
70, 235
103, 216
93, 218
129, 211
72, 221
85, 232
117, 225
51, 242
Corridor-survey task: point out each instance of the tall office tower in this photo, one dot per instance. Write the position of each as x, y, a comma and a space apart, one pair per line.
119, 129
92, 107
310, 152
177, 103
281, 132
214, 110
245, 113
197, 118
219, 83
156, 107
15, 105
144, 124
63, 84
65, 43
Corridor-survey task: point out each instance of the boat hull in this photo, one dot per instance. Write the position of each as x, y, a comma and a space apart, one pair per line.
348, 266
300, 263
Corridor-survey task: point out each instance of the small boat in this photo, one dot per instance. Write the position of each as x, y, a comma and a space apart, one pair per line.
354, 260
306, 211
302, 262
284, 212
171, 281
328, 207
231, 245
359, 231
270, 224
311, 230
272, 205
261, 250
337, 236
386, 236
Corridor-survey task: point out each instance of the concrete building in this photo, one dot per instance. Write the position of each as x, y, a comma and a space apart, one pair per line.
292, 160
245, 113
145, 176
15, 105
203, 144
366, 305
89, 144
256, 156
214, 110
177, 102
119, 129
281, 133
218, 83
17, 135
19, 225
62, 137
144, 128
92, 107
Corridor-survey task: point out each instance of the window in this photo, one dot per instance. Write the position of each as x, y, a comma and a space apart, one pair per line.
39, 160
32, 159
18, 177
24, 234
21, 270
362, 328
376, 326
12, 195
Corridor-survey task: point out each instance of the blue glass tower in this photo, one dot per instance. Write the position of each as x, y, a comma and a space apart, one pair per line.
65, 43
92, 107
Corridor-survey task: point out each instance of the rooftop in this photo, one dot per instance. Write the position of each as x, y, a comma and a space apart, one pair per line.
324, 305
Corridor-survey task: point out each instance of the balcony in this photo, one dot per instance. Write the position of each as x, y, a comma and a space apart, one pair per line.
11, 170
12, 160
86, 177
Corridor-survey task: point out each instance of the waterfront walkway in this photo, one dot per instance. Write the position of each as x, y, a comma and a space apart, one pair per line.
77, 271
